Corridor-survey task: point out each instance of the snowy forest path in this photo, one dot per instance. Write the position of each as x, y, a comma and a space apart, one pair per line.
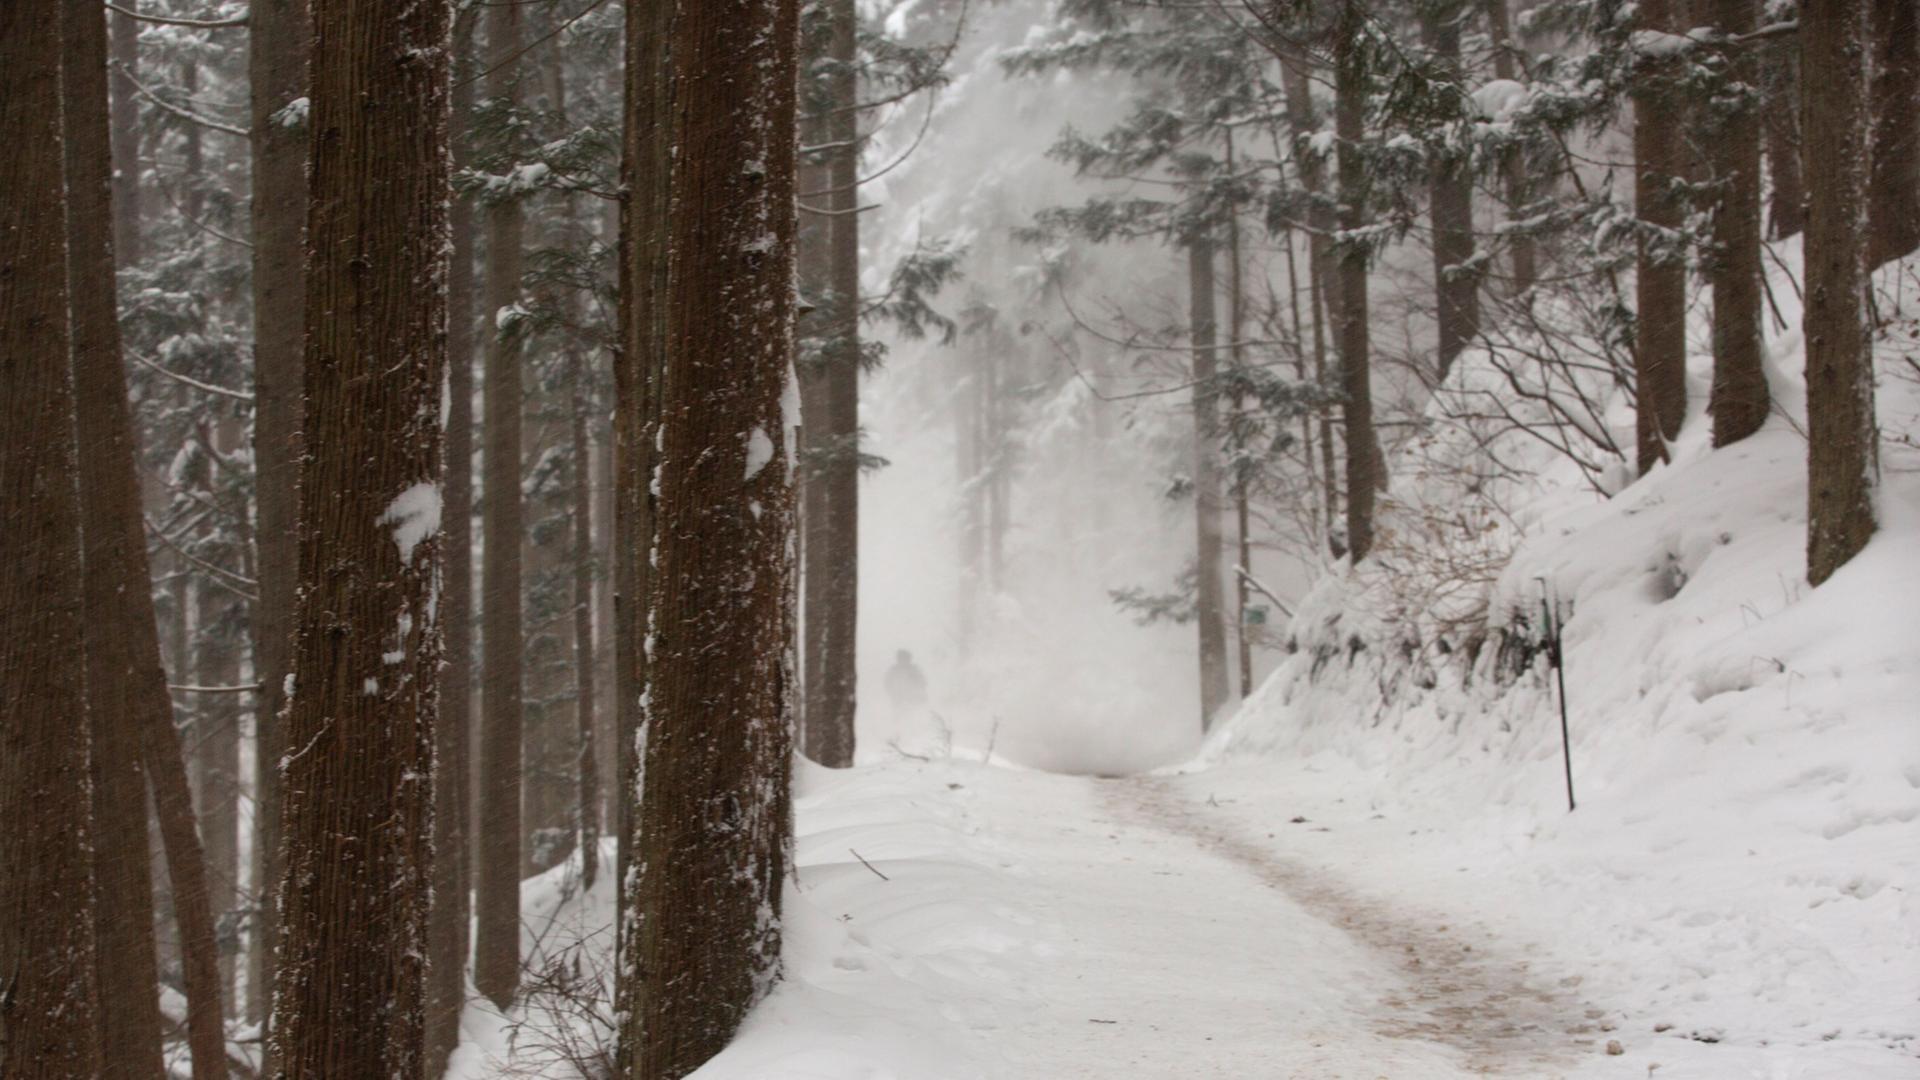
1477, 1001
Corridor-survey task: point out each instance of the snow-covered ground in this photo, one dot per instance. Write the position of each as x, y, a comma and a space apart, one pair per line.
1371, 870
1284, 921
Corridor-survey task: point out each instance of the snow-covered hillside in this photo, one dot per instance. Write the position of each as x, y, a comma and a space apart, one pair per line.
1746, 750
1371, 870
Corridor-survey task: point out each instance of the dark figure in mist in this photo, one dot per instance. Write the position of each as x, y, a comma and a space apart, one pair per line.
906, 686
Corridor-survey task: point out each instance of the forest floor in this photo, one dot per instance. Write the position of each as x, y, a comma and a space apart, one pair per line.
956, 920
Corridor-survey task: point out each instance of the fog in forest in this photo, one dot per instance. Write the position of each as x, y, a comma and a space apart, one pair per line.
1021, 641
959, 539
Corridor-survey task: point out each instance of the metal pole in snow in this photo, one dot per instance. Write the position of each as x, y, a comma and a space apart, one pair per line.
1558, 660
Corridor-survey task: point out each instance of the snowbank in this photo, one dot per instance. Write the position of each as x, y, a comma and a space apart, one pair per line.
1746, 749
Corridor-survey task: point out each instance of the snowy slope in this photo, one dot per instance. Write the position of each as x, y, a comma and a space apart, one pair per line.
1371, 871
1746, 854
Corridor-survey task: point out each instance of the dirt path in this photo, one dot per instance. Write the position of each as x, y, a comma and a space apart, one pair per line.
1502, 1018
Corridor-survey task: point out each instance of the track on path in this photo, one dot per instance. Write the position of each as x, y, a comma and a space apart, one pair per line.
1500, 1016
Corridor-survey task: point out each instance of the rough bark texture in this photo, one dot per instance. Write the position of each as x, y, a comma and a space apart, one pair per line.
714, 815
192, 910
124, 682
357, 783
1893, 191
1450, 208
1209, 599
46, 906
587, 768
1739, 400
830, 409
277, 74
1660, 327
1780, 113
639, 370
126, 136
215, 738
1363, 467
1242, 512
496, 959
1842, 438
189, 891
448, 929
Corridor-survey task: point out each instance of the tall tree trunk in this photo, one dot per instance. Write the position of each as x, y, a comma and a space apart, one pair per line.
1456, 285
1319, 481
640, 371
277, 75
217, 651
126, 136
830, 402
1660, 328
1842, 437
187, 878
1329, 453
1209, 599
1513, 163
496, 959
1350, 105
838, 625
1780, 112
189, 892
587, 770
1893, 190
124, 683
1301, 122
448, 929
1242, 512
714, 812
47, 1015
605, 497
1739, 400
357, 794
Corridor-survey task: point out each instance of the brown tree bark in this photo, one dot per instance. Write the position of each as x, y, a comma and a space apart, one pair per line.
215, 739
47, 1015
126, 136
1842, 436
357, 782
714, 816
1739, 400
496, 960
188, 905
813, 258
1660, 327
587, 767
1363, 453
1787, 200
192, 907
124, 683
831, 572
1242, 511
1450, 207
1893, 189
1209, 599
448, 929
277, 76
639, 372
